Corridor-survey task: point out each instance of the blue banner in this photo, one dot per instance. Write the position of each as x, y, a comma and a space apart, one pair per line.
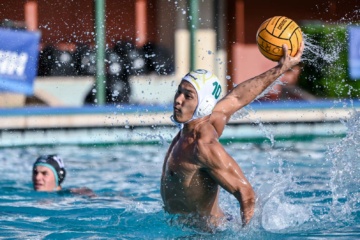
354, 52
19, 52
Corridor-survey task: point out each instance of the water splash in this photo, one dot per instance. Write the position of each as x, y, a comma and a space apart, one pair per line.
324, 195
266, 130
278, 214
345, 172
316, 55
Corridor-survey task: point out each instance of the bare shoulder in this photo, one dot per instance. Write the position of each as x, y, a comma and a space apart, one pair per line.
218, 120
206, 133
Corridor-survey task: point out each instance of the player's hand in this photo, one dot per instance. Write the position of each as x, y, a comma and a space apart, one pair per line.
287, 62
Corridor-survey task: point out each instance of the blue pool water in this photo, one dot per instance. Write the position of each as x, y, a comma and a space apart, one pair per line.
305, 190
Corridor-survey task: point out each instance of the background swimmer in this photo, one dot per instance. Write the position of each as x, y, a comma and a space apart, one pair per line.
49, 173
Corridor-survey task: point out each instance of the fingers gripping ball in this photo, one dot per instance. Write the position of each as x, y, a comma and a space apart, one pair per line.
275, 32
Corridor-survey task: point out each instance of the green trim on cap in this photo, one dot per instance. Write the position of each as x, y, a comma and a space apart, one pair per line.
52, 169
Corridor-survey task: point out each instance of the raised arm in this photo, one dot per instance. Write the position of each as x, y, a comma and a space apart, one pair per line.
247, 91
226, 172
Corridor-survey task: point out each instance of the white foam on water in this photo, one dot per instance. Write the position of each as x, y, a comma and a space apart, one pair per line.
15, 218
345, 172
279, 215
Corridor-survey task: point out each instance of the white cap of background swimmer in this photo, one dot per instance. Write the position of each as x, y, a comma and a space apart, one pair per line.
208, 89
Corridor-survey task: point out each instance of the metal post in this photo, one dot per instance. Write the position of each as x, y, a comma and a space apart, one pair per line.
100, 51
193, 25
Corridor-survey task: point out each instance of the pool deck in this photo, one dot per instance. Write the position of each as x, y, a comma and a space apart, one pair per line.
140, 123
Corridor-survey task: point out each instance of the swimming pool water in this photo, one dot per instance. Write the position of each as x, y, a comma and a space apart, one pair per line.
305, 190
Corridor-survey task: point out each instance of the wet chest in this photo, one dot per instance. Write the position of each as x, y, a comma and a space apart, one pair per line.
183, 157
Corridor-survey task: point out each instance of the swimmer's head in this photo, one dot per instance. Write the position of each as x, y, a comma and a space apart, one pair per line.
48, 173
208, 89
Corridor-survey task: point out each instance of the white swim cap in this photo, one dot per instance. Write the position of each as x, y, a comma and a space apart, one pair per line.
208, 89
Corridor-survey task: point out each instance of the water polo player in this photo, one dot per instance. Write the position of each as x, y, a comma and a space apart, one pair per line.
48, 173
196, 164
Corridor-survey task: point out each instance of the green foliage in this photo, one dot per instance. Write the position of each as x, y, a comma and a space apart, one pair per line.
325, 71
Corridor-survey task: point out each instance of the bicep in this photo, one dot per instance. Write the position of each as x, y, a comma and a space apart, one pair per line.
223, 111
227, 106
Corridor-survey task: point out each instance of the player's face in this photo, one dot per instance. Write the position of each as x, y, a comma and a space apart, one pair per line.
43, 179
185, 102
